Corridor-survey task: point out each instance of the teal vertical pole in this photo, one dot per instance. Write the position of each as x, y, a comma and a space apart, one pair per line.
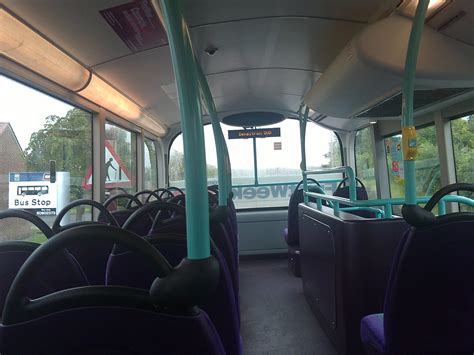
303, 120
255, 167
352, 184
197, 220
218, 138
408, 127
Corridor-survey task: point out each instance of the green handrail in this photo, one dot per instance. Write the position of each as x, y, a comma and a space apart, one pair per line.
184, 66
303, 120
388, 203
342, 169
221, 151
408, 128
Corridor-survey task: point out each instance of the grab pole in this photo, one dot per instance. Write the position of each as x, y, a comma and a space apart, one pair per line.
408, 127
303, 119
184, 66
221, 149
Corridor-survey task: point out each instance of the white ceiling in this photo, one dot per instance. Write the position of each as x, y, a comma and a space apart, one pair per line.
270, 52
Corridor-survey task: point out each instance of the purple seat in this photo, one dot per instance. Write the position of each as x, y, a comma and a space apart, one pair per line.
292, 233
361, 193
111, 319
120, 215
372, 333
93, 258
177, 225
128, 269
429, 301
61, 272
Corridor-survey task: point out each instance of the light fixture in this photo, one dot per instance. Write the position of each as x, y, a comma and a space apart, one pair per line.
26, 47
373, 122
105, 95
408, 7
23, 45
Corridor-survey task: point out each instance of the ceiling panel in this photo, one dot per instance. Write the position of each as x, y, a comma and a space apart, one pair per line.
278, 81
308, 44
147, 78
456, 21
256, 102
76, 26
200, 12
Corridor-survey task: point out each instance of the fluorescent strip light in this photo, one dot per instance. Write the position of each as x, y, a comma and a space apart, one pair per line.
105, 95
408, 7
21, 44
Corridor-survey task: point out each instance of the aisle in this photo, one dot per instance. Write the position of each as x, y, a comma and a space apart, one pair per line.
275, 318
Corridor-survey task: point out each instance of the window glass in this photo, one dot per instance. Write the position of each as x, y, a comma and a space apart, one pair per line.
35, 129
463, 143
120, 160
364, 159
278, 161
428, 179
151, 171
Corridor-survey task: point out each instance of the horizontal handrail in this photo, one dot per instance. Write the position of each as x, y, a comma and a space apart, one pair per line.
387, 203
341, 169
326, 181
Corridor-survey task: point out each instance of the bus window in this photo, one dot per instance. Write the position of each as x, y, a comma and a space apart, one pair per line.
364, 159
462, 130
120, 159
151, 172
35, 129
278, 163
428, 179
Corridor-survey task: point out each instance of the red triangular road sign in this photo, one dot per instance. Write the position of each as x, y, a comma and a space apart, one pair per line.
117, 174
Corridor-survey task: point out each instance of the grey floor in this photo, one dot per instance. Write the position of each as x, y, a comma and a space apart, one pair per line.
275, 318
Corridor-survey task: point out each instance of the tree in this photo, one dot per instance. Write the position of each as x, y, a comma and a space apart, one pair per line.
67, 140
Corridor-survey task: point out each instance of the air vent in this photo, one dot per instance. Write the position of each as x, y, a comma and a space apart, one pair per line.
392, 107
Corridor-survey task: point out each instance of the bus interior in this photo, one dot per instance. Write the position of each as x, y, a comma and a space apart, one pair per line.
236, 177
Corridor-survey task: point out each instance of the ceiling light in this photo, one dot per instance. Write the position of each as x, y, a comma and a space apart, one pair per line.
373, 122
408, 7
21, 44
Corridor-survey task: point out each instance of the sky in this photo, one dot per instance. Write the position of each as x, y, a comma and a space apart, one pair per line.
26, 109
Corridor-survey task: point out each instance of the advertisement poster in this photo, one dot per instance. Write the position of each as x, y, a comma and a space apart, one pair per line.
394, 150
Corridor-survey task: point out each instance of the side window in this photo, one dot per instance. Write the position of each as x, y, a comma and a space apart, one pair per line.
37, 129
151, 172
428, 178
120, 159
462, 130
364, 159
278, 163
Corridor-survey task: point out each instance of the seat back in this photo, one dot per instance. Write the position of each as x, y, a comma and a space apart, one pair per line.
361, 193
93, 257
128, 269
292, 238
61, 272
429, 304
118, 330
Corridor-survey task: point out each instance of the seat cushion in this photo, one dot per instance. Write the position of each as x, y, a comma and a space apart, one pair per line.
372, 333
